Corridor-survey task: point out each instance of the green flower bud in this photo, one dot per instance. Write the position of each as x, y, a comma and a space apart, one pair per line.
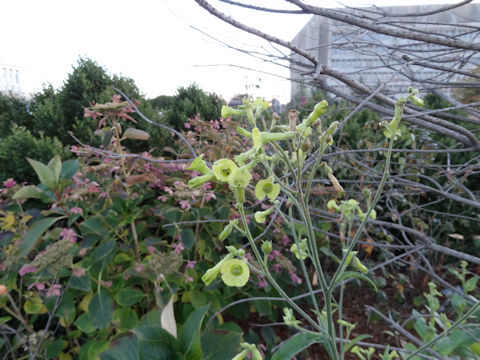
267, 247
289, 318
302, 252
332, 204
242, 355
227, 230
357, 264
256, 354
318, 110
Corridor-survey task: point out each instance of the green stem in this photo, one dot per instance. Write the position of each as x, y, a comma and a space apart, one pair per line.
269, 276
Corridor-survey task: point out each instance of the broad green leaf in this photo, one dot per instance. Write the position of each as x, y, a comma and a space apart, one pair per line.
54, 348
44, 173
189, 337
127, 297
37, 230
29, 192
102, 251
100, 309
34, 306
187, 237
220, 344
126, 318
69, 168
125, 348
55, 164
84, 323
80, 282
155, 343
296, 344
92, 349
447, 345
94, 225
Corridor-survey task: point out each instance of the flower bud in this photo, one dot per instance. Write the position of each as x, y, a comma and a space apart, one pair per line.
267, 247
200, 180
260, 216
228, 111
357, 264
318, 110
289, 318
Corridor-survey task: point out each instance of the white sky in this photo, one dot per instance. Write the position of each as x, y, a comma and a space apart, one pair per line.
151, 41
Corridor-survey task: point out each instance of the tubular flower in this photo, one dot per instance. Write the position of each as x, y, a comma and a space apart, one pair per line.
266, 188
200, 165
200, 180
238, 180
228, 111
223, 169
235, 272
212, 273
262, 137
260, 216
227, 230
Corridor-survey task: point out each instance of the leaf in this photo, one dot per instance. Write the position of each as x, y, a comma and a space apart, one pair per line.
136, 134
126, 318
354, 274
100, 309
84, 323
471, 283
295, 344
54, 348
94, 225
188, 238
155, 343
44, 173
355, 340
220, 344
37, 230
124, 349
167, 319
189, 337
69, 168
127, 297
92, 349
80, 282
29, 192
55, 164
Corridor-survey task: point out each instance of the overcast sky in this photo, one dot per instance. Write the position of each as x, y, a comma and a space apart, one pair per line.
152, 41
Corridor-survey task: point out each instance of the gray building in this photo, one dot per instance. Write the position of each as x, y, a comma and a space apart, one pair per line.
373, 58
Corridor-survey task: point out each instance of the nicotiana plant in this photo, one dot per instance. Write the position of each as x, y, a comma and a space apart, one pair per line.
290, 164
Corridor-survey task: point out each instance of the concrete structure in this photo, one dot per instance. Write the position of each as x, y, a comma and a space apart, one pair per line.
373, 58
10, 79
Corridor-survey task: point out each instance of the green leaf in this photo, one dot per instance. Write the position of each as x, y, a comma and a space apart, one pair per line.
92, 349
447, 345
37, 230
54, 348
126, 318
471, 283
354, 274
355, 340
124, 349
189, 337
84, 324
102, 251
69, 168
155, 343
187, 237
55, 164
127, 297
136, 134
29, 192
100, 309
44, 173
296, 344
220, 344
94, 225
80, 282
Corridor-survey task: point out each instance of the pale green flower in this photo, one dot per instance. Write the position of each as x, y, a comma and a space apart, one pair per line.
240, 177
302, 252
212, 273
260, 216
223, 168
200, 165
266, 188
200, 180
235, 272
242, 355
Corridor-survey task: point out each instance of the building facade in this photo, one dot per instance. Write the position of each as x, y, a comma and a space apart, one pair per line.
372, 58
10, 80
